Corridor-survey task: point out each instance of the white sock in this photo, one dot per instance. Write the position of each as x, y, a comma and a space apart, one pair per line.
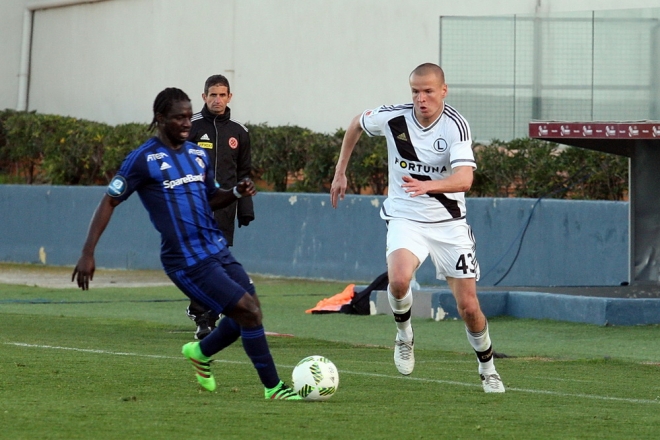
402, 306
481, 343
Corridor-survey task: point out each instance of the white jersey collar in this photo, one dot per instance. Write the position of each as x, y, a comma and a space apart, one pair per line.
430, 127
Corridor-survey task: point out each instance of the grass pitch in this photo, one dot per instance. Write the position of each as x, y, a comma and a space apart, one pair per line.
106, 364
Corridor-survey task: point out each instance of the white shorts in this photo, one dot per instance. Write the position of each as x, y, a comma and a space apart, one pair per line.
451, 245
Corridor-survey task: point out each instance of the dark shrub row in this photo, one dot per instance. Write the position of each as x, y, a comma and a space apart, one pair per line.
47, 149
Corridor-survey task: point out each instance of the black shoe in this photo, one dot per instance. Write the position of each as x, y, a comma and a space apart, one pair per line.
203, 330
203, 327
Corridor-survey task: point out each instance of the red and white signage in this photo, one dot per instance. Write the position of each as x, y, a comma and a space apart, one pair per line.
595, 130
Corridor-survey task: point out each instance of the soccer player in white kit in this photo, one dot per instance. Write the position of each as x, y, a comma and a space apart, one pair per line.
430, 167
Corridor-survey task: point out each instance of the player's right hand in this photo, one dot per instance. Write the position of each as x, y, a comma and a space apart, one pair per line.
338, 189
83, 273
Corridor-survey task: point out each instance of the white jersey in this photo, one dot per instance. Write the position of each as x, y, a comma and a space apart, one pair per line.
424, 153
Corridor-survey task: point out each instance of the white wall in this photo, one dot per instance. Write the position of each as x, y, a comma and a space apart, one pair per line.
311, 63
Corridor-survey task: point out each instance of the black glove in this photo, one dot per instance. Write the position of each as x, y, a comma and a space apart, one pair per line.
244, 220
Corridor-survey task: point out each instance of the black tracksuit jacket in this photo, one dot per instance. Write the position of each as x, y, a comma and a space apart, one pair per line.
227, 143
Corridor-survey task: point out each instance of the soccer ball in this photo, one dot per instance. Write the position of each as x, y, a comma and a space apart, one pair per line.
315, 378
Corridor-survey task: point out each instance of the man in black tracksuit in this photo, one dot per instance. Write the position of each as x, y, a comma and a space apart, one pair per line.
227, 143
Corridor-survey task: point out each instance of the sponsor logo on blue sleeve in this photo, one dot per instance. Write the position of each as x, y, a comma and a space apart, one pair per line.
117, 186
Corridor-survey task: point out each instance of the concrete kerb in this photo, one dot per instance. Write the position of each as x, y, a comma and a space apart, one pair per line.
439, 304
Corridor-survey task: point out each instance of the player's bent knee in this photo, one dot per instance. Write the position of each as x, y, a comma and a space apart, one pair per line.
246, 318
470, 310
246, 312
399, 287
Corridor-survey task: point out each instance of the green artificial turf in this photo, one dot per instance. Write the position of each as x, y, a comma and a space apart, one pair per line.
106, 363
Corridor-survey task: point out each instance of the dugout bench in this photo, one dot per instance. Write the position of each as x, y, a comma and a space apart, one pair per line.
640, 142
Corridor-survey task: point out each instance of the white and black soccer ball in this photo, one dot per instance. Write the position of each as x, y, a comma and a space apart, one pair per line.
315, 378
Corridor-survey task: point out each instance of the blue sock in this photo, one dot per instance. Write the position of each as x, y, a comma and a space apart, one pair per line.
256, 347
225, 334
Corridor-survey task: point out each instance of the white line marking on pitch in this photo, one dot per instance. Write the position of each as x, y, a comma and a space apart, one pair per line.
359, 373
115, 353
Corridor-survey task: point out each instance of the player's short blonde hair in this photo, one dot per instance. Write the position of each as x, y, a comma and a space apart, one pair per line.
429, 68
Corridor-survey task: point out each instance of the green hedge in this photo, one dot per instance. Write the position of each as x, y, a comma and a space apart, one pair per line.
535, 168
37, 148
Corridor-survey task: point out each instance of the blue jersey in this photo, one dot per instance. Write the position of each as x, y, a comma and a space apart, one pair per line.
174, 186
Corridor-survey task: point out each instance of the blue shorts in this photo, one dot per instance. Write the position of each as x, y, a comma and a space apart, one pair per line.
218, 282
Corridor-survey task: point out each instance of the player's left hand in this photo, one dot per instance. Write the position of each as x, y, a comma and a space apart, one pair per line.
414, 187
246, 187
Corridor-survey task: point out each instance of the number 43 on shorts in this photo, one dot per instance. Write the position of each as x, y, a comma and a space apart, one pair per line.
465, 263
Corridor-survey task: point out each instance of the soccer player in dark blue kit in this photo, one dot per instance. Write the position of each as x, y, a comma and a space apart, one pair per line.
177, 187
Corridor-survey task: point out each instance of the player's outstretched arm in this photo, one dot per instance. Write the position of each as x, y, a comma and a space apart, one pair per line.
84, 270
339, 182
225, 197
